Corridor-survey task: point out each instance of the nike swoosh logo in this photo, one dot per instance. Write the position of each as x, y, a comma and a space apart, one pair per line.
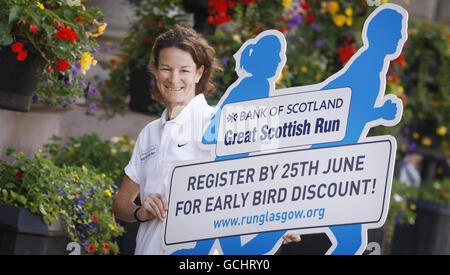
181, 145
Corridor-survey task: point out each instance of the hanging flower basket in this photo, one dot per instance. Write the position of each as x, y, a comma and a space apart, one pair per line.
62, 38
18, 78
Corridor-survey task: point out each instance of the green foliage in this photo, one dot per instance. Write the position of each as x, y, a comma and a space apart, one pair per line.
437, 190
81, 197
426, 84
401, 209
108, 157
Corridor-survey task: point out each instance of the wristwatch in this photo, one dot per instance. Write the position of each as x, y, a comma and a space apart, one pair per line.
136, 216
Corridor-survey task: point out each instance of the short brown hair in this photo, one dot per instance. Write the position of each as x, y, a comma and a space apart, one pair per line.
201, 52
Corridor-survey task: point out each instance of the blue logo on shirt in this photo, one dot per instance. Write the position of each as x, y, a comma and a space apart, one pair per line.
150, 153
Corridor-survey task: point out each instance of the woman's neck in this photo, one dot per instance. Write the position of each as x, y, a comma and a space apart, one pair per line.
174, 110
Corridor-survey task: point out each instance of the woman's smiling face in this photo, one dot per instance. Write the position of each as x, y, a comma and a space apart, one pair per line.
176, 76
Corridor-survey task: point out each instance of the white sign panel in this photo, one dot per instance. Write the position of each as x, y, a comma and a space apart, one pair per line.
295, 189
283, 121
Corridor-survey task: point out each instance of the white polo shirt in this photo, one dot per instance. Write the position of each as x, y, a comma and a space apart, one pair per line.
159, 145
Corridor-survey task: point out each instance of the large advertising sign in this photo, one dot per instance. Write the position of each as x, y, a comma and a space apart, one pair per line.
292, 160
280, 191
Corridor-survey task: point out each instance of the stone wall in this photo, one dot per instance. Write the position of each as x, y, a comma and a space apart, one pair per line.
27, 132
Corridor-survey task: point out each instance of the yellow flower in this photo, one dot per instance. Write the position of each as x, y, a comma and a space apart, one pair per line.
100, 30
111, 227
333, 7
441, 130
416, 135
286, 3
108, 192
84, 168
76, 177
304, 69
349, 11
339, 20
317, 77
426, 141
349, 21
400, 89
40, 5
413, 207
86, 61
404, 147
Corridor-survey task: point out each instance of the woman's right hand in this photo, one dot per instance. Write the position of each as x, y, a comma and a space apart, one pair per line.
155, 205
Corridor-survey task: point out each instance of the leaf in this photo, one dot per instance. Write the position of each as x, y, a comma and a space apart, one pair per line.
42, 210
14, 13
10, 185
36, 18
5, 34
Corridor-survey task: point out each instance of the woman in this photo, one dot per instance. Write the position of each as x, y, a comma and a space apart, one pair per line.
183, 66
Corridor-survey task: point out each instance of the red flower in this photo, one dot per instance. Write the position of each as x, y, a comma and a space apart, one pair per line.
400, 61
403, 98
17, 47
219, 8
345, 53
310, 17
106, 247
33, 28
392, 79
22, 55
18, 174
94, 218
304, 5
62, 65
79, 20
61, 26
91, 248
67, 34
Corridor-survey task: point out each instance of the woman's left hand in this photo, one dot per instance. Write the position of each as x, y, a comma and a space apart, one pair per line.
291, 238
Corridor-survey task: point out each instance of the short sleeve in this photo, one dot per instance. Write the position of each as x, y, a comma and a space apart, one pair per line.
133, 168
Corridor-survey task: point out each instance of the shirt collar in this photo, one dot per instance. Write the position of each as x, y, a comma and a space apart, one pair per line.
184, 115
